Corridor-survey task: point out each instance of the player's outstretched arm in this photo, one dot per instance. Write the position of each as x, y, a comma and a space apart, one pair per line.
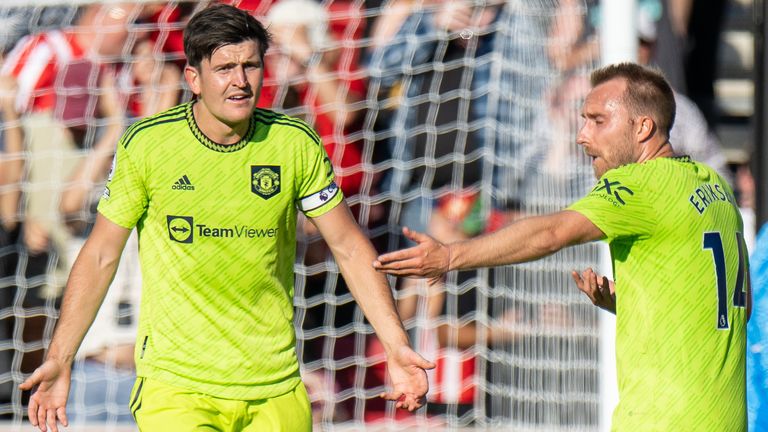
599, 289
87, 285
354, 254
525, 240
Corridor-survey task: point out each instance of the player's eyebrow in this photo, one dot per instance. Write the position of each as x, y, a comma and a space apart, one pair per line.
232, 64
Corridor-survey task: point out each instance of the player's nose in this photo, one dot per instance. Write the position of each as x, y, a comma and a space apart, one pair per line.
239, 77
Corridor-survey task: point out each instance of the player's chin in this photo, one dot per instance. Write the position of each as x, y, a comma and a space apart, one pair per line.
239, 114
598, 168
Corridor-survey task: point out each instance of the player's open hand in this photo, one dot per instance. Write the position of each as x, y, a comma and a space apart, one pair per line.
599, 289
408, 377
47, 405
428, 259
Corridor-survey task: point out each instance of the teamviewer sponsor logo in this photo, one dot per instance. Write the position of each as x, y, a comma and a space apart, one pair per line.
183, 184
180, 228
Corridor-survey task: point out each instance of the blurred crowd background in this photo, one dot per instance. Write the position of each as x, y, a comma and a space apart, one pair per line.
451, 117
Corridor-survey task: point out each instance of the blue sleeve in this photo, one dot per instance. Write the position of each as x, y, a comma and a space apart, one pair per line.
757, 337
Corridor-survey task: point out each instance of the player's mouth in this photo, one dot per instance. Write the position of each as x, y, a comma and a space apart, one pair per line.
239, 97
592, 157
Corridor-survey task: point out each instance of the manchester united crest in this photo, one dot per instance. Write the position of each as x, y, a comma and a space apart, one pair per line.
265, 180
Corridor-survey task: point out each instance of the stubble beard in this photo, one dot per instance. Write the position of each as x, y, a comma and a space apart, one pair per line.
621, 155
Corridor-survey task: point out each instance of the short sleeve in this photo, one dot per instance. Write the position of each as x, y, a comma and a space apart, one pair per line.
619, 206
317, 191
125, 199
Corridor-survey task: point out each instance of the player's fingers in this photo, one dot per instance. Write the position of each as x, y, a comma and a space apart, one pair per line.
594, 286
582, 282
395, 256
424, 363
412, 403
402, 401
412, 266
578, 280
61, 413
407, 404
415, 235
41, 419
50, 416
393, 395
396, 396
605, 288
32, 411
32, 380
587, 285
589, 274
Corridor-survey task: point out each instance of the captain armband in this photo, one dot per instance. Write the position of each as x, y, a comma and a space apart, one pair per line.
318, 199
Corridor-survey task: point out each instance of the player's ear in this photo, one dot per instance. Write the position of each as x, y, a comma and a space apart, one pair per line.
645, 129
192, 76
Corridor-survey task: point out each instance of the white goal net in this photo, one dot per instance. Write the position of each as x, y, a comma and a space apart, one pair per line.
452, 118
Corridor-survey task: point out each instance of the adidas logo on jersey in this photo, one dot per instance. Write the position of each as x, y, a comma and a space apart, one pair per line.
183, 184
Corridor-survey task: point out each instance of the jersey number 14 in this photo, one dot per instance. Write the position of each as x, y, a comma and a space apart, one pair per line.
714, 242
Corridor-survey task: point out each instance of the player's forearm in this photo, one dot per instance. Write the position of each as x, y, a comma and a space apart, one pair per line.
525, 240
87, 285
371, 291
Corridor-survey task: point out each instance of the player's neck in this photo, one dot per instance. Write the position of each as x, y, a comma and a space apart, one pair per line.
215, 129
653, 150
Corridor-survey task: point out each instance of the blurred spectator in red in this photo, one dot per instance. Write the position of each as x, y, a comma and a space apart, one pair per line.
143, 86
149, 82
165, 20
55, 77
312, 73
257, 8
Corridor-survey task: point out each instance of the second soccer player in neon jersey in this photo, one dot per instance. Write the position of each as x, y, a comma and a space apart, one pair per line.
682, 295
214, 186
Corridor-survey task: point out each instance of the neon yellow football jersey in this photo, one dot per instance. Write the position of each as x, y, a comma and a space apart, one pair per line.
217, 234
680, 266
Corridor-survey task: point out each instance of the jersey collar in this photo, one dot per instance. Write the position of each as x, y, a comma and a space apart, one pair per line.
204, 140
682, 158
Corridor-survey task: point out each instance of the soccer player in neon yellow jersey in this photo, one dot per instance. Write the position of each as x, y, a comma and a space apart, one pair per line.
682, 295
214, 187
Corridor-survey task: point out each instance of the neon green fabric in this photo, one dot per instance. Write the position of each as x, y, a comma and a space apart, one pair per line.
217, 235
157, 406
679, 260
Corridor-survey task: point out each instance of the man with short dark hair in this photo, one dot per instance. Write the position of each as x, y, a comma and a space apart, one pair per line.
682, 296
213, 187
